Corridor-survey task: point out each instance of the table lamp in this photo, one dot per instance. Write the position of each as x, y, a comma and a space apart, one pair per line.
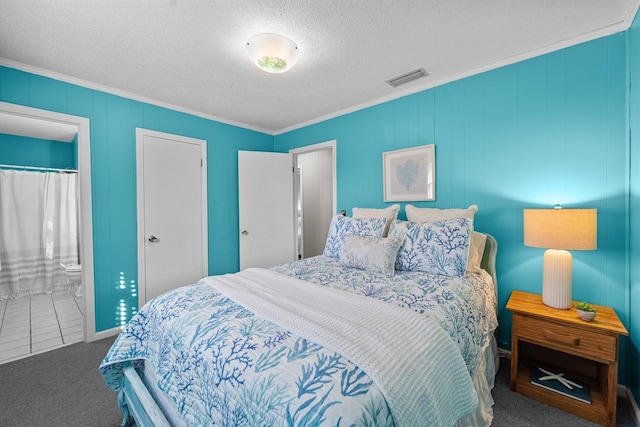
559, 230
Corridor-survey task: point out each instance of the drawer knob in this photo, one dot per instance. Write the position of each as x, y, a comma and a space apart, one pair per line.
560, 338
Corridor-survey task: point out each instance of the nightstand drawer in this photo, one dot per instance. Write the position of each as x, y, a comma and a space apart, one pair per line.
589, 344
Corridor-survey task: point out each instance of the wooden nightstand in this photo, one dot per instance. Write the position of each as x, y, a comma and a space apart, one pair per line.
559, 341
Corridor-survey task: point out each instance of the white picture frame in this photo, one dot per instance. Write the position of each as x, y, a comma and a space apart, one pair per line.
410, 174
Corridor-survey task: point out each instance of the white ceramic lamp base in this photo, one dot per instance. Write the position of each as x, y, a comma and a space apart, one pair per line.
556, 280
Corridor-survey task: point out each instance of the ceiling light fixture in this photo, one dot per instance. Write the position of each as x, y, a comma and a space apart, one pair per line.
272, 53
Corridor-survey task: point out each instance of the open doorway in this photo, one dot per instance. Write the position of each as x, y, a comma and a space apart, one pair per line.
34, 124
315, 196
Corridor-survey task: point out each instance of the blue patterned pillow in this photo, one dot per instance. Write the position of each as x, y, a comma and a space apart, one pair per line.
342, 225
371, 253
439, 247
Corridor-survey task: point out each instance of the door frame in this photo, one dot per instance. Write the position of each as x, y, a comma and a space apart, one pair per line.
140, 134
327, 145
82, 126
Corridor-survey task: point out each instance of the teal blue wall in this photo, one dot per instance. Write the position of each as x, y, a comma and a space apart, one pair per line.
553, 129
634, 206
113, 120
547, 130
23, 151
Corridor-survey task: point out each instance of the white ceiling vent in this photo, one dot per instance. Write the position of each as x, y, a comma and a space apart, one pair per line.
408, 77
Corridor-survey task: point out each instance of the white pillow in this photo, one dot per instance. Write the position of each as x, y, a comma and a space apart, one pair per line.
434, 214
390, 213
476, 251
371, 253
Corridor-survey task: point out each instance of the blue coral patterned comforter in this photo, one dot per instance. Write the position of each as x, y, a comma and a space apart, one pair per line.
465, 307
222, 364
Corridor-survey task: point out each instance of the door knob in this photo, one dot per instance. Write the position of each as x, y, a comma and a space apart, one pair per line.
153, 239
244, 232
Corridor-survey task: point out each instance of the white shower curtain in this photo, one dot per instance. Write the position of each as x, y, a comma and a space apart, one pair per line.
38, 231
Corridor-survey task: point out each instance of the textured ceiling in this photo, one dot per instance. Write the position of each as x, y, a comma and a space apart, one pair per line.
190, 55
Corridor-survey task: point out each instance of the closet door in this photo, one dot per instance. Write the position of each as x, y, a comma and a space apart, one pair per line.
172, 218
266, 209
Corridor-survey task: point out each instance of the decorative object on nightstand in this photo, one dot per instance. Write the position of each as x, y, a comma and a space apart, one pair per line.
587, 312
564, 346
559, 230
558, 383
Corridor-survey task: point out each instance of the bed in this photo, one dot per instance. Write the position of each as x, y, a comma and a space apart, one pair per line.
361, 335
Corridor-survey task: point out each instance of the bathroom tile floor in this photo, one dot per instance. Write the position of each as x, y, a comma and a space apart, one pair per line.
39, 323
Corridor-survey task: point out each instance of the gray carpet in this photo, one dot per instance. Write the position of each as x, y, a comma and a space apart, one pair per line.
58, 388
63, 388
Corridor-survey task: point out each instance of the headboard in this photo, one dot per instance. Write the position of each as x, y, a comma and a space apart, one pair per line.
488, 262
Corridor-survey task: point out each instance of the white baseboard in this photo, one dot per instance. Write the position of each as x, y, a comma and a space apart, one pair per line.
622, 391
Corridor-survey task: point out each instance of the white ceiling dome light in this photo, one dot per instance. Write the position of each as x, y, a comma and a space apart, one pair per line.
272, 53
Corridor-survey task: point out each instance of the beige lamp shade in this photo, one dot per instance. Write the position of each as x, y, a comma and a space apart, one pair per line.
569, 229
559, 230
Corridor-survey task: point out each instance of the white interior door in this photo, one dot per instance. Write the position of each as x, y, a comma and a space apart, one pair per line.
172, 215
266, 210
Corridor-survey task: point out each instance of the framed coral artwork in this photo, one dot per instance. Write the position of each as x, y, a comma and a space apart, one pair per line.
409, 174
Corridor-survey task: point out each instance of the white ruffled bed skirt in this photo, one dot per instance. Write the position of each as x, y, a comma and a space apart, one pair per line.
483, 382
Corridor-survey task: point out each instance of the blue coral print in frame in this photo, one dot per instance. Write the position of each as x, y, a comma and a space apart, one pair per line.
409, 174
